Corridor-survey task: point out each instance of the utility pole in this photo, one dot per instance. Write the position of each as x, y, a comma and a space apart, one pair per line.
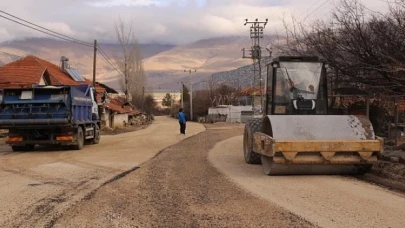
256, 33
143, 97
181, 95
126, 80
94, 63
191, 94
171, 103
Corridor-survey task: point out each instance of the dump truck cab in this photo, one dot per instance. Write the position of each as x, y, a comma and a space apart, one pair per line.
296, 135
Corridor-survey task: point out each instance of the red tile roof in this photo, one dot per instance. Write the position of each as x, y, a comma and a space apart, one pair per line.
120, 106
251, 91
30, 69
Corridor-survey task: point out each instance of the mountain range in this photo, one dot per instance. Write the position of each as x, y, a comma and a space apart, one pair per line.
163, 63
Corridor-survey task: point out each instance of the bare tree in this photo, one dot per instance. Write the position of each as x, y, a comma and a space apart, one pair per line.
364, 49
130, 63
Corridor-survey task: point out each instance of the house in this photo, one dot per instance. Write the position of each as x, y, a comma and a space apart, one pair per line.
31, 70
246, 96
118, 113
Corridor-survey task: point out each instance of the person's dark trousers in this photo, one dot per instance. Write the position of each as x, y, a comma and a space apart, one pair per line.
182, 128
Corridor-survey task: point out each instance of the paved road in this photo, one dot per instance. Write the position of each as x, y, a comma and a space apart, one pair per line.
37, 187
327, 201
179, 188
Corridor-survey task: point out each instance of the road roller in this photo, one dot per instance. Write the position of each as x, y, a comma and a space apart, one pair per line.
296, 135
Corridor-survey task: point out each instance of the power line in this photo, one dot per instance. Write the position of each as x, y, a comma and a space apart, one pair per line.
315, 10
107, 59
60, 37
316, 2
74, 39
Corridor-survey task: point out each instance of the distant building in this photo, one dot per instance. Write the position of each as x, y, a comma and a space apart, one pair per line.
246, 96
160, 94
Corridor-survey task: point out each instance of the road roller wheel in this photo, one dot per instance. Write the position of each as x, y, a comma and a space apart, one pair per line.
273, 169
254, 125
362, 169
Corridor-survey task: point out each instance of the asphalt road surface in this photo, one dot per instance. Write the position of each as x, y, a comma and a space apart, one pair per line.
37, 187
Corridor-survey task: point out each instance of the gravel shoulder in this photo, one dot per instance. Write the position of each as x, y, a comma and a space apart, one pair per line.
326, 201
179, 188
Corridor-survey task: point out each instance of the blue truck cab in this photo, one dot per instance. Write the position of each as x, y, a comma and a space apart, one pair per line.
43, 115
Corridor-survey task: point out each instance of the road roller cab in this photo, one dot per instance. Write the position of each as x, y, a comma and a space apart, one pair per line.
299, 86
296, 135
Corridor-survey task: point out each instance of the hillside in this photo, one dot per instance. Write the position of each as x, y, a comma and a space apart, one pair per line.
240, 77
207, 56
80, 57
164, 64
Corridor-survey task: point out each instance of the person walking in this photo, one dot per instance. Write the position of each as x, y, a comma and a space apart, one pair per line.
182, 121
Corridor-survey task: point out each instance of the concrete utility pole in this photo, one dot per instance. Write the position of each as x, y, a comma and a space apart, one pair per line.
191, 94
181, 91
256, 33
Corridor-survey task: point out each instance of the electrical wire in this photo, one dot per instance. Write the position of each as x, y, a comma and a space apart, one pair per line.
313, 4
108, 60
60, 36
74, 39
315, 10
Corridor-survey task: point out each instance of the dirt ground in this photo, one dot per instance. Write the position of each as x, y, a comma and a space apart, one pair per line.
325, 201
179, 188
116, 131
156, 177
38, 187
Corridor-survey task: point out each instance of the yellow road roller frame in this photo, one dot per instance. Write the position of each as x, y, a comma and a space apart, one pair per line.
318, 151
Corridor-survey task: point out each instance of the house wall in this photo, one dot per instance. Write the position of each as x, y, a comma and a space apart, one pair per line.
42, 81
105, 118
233, 113
118, 120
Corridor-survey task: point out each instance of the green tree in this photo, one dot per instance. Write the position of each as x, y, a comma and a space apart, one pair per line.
167, 100
149, 105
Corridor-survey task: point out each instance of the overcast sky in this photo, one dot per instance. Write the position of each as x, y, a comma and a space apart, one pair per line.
163, 21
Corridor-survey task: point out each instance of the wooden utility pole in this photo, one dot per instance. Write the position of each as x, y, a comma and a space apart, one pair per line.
94, 63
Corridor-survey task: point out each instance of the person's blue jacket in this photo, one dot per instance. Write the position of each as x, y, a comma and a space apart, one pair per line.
182, 117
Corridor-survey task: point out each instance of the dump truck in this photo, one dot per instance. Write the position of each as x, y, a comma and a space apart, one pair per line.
50, 115
296, 133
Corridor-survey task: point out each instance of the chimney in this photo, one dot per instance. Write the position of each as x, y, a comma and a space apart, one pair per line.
64, 62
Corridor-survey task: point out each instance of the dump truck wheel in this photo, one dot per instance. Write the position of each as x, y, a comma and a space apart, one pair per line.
79, 139
254, 125
96, 139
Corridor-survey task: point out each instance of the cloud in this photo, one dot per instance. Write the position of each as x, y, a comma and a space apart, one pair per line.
164, 21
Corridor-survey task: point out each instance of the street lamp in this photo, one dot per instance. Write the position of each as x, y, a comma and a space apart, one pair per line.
191, 94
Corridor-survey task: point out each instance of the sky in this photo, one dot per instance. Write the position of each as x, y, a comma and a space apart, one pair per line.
160, 21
